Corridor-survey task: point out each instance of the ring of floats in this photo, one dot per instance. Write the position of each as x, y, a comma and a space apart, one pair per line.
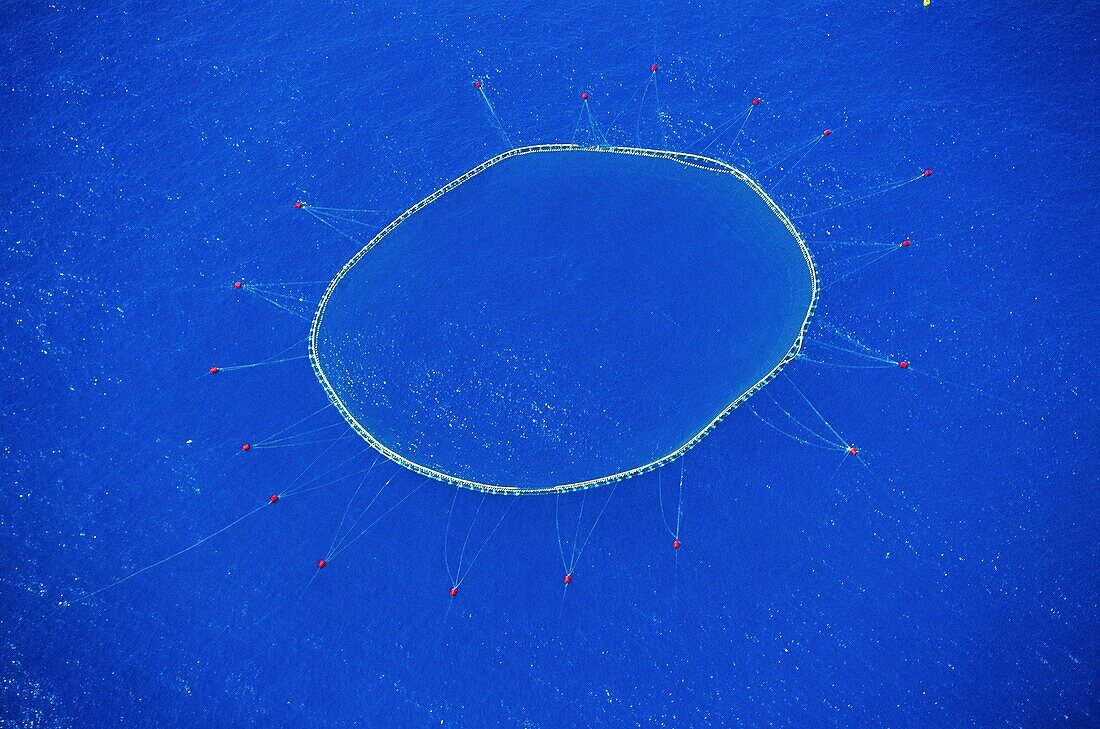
692, 160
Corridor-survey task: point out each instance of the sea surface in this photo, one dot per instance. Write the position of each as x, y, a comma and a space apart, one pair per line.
944, 576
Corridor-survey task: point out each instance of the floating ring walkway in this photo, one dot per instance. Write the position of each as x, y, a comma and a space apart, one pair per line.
692, 160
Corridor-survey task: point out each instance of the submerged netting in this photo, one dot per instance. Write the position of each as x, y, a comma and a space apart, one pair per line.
560, 317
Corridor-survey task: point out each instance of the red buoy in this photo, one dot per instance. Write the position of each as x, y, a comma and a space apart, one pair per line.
477, 85
246, 446
827, 132
568, 578
675, 543
756, 102
904, 364
454, 592
321, 564
852, 450
273, 499
905, 243
298, 205
237, 284
653, 68
928, 173
214, 370
584, 95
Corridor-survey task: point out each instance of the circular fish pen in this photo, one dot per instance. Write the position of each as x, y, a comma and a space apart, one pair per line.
562, 316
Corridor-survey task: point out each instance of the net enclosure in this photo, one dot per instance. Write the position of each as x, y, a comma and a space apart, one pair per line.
560, 317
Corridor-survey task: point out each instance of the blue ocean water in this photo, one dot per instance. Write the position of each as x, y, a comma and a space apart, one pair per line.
152, 155
565, 316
